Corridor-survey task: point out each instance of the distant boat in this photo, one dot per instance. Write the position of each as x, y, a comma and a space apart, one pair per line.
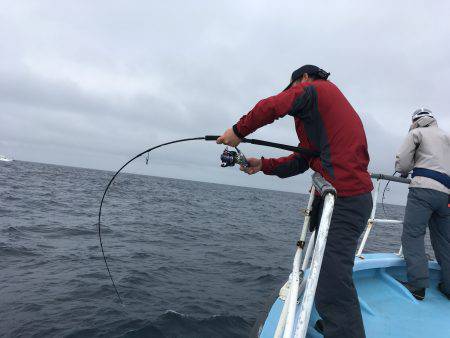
5, 159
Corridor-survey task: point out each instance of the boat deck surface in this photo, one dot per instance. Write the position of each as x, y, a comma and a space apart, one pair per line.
388, 308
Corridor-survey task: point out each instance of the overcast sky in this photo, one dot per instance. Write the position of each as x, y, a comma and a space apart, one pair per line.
91, 83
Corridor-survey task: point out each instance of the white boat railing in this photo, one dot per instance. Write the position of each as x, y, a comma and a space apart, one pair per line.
296, 282
314, 270
286, 322
372, 220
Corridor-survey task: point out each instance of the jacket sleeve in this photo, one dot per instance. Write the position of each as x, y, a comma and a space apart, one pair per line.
404, 162
283, 167
266, 111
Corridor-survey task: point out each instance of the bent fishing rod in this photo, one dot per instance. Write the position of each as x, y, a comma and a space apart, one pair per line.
228, 158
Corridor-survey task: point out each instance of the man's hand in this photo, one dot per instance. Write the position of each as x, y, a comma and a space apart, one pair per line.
255, 165
229, 138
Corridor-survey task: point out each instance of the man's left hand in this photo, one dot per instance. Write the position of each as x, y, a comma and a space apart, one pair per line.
229, 138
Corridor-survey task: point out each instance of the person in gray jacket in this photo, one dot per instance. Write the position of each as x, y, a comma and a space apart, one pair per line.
426, 151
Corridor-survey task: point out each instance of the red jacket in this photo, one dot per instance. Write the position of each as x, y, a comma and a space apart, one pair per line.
325, 122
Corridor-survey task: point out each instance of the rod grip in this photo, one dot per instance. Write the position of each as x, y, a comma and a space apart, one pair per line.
211, 137
306, 152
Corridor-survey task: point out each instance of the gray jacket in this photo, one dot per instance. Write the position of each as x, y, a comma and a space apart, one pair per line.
426, 146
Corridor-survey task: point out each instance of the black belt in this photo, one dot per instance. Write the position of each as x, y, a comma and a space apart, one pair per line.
433, 174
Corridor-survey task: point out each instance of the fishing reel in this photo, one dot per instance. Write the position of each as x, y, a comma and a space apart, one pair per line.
230, 157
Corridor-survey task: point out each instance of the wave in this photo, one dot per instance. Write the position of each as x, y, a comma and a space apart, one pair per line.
267, 278
173, 324
6, 250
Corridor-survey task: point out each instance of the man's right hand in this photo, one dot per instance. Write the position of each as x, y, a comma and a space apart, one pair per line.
255, 165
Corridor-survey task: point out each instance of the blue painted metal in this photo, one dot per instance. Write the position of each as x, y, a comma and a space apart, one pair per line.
388, 309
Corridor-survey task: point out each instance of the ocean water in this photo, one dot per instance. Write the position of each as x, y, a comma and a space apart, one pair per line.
190, 259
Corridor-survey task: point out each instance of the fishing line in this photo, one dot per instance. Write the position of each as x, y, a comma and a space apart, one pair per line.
384, 191
300, 150
106, 190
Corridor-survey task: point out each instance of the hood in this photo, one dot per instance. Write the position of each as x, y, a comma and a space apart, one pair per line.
423, 122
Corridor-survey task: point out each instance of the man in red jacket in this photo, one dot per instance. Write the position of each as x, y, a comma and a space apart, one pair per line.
325, 123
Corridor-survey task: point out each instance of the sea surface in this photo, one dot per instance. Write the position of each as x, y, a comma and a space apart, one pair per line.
190, 259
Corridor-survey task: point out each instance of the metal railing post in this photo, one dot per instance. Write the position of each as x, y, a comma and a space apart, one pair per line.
314, 271
327, 192
288, 316
370, 220
309, 250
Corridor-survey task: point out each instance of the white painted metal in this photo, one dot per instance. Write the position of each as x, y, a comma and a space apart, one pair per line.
314, 271
293, 296
289, 307
283, 316
302, 286
284, 291
366, 236
370, 221
307, 215
387, 221
282, 321
309, 250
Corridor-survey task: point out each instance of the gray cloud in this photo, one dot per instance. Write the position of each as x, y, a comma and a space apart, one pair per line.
90, 84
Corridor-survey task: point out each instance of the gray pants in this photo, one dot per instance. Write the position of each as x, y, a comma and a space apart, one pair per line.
336, 298
426, 207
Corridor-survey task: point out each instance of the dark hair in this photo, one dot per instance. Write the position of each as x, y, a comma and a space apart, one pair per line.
313, 76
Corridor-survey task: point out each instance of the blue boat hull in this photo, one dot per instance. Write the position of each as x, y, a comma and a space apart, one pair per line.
388, 309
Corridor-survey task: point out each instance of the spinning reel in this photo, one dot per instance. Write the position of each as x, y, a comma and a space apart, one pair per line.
230, 157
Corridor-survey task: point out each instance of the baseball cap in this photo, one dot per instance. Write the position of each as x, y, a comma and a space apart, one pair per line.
310, 70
